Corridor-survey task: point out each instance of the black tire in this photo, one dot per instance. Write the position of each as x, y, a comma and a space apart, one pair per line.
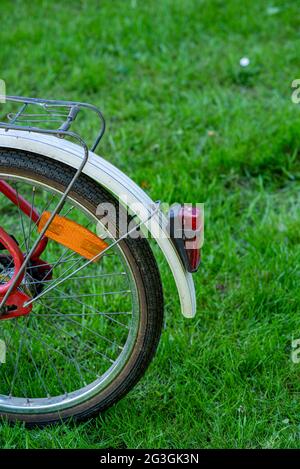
142, 263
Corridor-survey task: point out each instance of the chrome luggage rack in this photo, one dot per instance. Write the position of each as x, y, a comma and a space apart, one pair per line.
58, 115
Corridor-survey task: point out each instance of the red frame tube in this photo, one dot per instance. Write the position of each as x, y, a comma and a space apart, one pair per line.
18, 259
26, 208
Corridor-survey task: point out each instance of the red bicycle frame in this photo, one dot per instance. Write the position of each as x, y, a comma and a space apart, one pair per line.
27, 209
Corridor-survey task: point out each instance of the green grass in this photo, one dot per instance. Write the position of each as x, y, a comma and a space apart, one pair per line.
189, 124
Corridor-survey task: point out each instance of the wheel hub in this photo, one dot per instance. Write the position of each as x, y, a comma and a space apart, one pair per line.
30, 286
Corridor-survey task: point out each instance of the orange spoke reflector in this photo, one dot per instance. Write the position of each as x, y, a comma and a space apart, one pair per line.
73, 236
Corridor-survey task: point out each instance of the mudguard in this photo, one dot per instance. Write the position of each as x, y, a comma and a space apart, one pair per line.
121, 186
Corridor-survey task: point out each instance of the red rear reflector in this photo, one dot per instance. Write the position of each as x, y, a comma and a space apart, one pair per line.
186, 225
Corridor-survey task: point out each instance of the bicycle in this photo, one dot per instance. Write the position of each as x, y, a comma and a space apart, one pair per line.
81, 299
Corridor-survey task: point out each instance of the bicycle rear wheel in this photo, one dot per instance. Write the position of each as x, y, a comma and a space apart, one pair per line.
88, 340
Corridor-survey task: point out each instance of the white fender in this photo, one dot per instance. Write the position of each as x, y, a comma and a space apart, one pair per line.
121, 186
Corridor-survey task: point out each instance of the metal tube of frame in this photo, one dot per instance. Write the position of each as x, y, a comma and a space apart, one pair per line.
56, 103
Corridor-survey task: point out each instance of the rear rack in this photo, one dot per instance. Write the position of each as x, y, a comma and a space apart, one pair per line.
35, 115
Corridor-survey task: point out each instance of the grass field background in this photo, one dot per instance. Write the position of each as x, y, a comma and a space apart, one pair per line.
188, 124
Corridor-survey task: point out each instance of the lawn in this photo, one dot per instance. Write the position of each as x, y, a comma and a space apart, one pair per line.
189, 124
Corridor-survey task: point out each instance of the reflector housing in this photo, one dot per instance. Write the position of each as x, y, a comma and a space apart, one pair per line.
186, 228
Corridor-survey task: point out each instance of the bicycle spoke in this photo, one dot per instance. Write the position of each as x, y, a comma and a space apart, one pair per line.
46, 348
37, 371
83, 277
86, 343
63, 315
95, 310
18, 358
92, 295
70, 359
